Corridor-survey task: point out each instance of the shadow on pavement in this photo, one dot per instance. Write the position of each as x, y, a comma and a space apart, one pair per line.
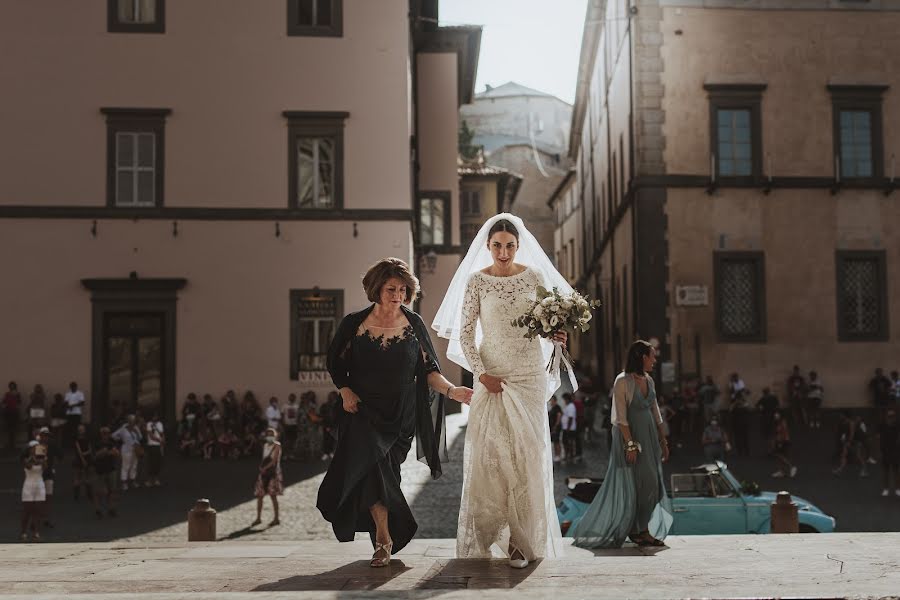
357, 575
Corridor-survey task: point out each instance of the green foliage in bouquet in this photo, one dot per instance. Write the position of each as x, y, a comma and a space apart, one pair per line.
553, 311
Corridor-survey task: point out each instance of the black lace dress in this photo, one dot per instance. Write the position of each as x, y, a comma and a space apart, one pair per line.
380, 366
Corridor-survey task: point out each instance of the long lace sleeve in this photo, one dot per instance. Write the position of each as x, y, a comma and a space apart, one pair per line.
471, 310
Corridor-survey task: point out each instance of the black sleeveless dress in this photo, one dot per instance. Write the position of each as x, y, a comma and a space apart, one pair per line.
373, 443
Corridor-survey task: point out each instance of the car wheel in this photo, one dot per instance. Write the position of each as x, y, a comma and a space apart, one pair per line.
804, 528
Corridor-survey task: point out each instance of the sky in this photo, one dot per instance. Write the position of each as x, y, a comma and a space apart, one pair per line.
533, 42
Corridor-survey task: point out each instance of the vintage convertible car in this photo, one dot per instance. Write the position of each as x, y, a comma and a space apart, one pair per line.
707, 500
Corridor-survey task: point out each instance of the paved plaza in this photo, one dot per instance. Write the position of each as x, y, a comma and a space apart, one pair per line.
158, 515
796, 566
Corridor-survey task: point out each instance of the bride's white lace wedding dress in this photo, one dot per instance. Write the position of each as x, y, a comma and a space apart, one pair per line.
508, 465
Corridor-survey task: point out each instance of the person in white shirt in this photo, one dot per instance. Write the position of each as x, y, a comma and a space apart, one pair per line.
273, 414
74, 400
130, 437
156, 441
570, 428
291, 415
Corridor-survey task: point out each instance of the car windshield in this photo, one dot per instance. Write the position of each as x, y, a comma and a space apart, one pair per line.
721, 485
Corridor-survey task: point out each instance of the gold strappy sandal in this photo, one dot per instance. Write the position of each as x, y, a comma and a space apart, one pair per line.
378, 561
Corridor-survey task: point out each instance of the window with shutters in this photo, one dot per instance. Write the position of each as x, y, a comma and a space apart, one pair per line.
135, 156
136, 16
316, 160
315, 18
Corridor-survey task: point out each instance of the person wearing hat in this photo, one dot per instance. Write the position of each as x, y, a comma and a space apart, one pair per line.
33, 491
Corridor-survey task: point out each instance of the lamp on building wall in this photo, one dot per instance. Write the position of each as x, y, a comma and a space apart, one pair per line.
428, 262
174, 228
277, 229
94, 229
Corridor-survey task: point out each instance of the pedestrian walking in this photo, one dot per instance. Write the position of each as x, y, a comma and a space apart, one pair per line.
796, 390
37, 408
632, 502
554, 418
715, 441
880, 392
74, 400
569, 428
289, 416
740, 424
782, 448
767, 405
33, 491
129, 438
889, 440
53, 454
709, 398
82, 464
105, 456
815, 396
273, 414
269, 481
156, 444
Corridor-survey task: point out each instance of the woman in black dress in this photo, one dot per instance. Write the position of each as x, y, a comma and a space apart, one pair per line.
383, 363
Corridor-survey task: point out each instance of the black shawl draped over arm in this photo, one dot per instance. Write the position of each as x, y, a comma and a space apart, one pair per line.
431, 441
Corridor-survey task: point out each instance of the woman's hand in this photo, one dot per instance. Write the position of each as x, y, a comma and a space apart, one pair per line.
461, 394
351, 401
631, 456
493, 384
561, 337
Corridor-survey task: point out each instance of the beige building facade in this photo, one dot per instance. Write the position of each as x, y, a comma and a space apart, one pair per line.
735, 174
191, 192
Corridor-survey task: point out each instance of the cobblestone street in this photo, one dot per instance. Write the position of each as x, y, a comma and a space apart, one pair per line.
158, 515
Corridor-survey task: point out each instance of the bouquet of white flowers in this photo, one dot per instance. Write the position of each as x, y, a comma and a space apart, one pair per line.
553, 312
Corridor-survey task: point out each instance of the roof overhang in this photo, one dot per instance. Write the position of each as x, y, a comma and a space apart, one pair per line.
465, 41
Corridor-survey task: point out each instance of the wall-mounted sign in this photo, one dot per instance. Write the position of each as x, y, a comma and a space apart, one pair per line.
667, 372
319, 378
691, 295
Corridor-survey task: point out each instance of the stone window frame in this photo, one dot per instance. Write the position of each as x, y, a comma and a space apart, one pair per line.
757, 258
135, 120
466, 200
114, 25
336, 29
294, 298
868, 98
880, 258
445, 197
306, 124
737, 96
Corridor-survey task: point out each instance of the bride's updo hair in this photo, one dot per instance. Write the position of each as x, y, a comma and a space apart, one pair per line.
504, 225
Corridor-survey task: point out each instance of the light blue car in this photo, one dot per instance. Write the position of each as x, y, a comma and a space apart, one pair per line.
707, 500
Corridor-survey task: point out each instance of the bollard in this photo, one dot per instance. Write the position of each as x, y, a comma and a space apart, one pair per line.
202, 522
784, 514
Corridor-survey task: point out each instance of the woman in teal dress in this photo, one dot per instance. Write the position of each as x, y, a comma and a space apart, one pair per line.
632, 502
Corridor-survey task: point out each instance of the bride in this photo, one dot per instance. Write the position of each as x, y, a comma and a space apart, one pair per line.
507, 495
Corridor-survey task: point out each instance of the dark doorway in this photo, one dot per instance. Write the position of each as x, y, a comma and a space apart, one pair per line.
133, 348
133, 365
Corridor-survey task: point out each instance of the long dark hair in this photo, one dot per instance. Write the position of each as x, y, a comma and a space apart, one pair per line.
636, 353
504, 225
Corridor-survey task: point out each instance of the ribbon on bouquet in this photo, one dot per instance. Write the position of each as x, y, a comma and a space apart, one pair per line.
561, 357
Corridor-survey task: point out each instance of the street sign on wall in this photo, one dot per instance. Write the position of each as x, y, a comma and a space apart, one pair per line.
691, 295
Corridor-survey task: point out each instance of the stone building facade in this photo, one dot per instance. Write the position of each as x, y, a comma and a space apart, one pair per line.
731, 205
188, 204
